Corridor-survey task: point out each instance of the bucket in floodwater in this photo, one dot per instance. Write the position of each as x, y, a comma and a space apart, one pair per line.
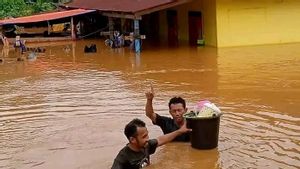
205, 131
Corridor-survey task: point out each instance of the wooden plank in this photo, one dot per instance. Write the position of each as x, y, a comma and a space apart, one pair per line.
104, 33
131, 37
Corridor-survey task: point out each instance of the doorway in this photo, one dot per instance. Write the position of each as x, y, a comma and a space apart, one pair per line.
172, 27
195, 27
150, 27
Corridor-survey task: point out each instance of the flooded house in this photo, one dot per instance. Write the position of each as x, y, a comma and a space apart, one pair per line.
218, 23
52, 26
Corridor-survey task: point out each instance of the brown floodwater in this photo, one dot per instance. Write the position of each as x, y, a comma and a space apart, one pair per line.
66, 109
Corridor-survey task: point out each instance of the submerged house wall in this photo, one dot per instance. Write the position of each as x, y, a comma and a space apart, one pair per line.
224, 22
210, 22
244, 22
208, 11
239, 22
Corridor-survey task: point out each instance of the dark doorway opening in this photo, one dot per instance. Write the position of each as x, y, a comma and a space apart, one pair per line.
172, 27
150, 27
195, 27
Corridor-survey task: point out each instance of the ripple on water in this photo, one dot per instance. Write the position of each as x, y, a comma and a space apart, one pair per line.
253, 140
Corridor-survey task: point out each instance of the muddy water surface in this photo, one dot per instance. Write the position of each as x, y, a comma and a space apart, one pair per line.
67, 110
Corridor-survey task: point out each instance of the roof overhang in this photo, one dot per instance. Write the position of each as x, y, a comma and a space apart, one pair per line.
161, 7
45, 17
130, 9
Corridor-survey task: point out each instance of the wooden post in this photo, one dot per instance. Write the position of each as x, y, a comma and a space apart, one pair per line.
111, 27
49, 27
136, 34
73, 35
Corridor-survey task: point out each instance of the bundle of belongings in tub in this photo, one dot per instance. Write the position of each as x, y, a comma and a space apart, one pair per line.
204, 109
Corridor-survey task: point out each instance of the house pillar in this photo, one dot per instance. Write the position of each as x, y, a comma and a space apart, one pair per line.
136, 34
49, 28
73, 34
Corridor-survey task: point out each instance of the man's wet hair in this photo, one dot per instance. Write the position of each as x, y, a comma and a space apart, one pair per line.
131, 128
176, 100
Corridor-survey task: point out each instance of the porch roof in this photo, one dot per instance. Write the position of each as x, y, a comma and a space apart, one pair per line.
45, 16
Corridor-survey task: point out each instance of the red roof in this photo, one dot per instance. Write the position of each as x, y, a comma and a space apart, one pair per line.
128, 6
45, 16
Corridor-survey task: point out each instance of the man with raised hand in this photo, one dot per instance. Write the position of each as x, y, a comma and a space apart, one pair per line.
177, 107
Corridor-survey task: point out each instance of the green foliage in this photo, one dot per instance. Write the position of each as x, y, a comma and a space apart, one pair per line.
17, 8
42, 6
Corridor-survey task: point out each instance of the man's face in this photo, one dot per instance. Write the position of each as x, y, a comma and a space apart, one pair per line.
142, 137
177, 110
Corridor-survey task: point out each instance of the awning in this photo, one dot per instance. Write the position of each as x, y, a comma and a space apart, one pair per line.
136, 7
45, 17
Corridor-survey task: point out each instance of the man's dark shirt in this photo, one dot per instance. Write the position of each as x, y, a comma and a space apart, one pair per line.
168, 125
129, 159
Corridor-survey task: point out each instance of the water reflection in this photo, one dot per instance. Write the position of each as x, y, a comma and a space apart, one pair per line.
67, 109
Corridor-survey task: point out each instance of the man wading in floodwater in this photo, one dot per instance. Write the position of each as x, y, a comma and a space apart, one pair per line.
177, 108
136, 154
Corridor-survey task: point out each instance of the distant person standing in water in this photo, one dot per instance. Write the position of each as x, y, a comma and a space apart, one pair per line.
4, 40
136, 154
177, 107
20, 44
5, 49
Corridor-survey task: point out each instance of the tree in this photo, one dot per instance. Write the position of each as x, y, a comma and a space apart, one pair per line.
17, 8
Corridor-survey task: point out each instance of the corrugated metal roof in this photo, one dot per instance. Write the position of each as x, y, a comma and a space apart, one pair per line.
128, 6
45, 16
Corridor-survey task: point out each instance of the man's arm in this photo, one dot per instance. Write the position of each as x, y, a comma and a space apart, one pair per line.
149, 107
161, 140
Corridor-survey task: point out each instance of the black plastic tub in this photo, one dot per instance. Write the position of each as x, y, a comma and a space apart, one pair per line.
205, 131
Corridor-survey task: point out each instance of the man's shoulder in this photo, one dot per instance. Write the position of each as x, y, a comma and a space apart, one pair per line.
121, 159
165, 118
166, 124
123, 154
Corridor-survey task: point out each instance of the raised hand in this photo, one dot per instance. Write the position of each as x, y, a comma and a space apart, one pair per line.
150, 94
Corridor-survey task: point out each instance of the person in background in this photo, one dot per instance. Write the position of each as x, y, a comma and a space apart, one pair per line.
177, 107
4, 40
5, 49
136, 154
19, 44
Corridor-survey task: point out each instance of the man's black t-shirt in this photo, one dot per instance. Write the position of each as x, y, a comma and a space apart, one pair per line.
129, 159
168, 125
